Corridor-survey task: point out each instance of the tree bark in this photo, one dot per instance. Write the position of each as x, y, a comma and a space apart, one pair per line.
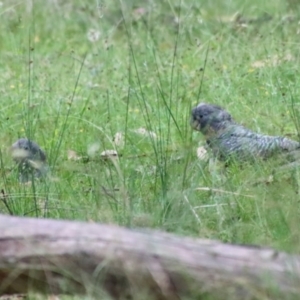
51, 256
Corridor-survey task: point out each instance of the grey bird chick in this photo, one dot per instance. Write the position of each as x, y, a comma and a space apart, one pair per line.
229, 140
30, 158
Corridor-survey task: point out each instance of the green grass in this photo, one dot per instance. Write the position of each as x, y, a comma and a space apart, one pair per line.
147, 71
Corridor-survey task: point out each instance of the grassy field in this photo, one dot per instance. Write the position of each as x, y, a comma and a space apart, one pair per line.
83, 77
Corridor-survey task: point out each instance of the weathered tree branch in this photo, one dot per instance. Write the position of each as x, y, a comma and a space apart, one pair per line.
71, 257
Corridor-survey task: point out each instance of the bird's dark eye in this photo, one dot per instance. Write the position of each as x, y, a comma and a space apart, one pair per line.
200, 116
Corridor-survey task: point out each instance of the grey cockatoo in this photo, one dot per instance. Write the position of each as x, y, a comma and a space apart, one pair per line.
30, 158
229, 140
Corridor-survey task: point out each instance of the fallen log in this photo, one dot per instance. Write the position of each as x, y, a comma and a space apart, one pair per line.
51, 256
